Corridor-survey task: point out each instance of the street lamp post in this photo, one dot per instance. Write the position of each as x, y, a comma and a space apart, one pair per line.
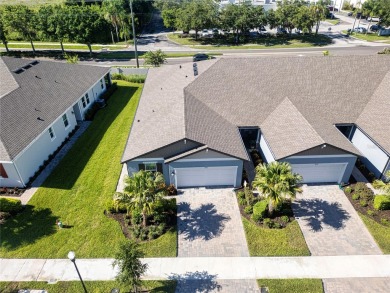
134, 36
72, 257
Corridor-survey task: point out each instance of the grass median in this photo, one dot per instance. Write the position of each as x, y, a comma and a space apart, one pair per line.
77, 192
292, 285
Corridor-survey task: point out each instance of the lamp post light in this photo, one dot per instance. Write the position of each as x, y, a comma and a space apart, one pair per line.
72, 257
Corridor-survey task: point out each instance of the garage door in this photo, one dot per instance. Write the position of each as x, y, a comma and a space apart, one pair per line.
205, 176
320, 173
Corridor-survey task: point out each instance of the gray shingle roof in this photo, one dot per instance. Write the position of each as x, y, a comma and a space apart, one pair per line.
7, 81
46, 90
324, 90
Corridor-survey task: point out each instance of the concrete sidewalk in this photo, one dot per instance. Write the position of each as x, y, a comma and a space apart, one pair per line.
228, 268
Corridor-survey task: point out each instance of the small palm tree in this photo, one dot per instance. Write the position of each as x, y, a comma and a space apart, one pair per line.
276, 181
142, 191
382, 185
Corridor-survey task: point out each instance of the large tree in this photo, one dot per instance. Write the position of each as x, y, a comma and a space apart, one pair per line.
370, 8
142, 190
21, 19
3, 34
276, 181
318, 12
114, 12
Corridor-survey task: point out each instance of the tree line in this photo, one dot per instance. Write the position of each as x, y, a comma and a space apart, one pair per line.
76, 23
196, 15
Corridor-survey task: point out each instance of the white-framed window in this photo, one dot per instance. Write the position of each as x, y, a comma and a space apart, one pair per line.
52, 134
152, 167
65, 120
83, 102
101, 83
87, 98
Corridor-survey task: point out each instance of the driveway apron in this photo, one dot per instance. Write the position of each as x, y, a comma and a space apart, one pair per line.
330, 224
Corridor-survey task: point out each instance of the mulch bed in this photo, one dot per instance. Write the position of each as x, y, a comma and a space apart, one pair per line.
363, 210
14, 192
121, 219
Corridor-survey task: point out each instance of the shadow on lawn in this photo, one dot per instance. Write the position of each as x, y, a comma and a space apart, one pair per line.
27, 227
192, 282
204, 222
69, 169
317, 213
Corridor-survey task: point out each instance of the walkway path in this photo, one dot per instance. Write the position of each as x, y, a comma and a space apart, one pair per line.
28, 194
195, 268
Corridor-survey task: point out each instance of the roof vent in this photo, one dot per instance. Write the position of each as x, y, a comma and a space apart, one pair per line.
18, 70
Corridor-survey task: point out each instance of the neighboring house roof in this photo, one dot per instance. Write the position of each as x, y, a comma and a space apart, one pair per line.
375, 118
45, 90
7, 81
295, 101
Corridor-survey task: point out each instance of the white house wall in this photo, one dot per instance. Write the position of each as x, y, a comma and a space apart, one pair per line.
376, 159
29, 160
265, 150
93, 93
13, 179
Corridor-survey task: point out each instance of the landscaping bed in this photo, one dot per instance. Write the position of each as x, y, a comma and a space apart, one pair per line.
11, 192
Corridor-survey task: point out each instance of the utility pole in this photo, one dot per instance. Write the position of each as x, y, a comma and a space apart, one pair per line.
134, 36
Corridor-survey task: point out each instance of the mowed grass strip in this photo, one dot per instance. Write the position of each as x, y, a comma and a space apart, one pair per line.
380, 233
77, 191
288, 241
92, 286
292, 285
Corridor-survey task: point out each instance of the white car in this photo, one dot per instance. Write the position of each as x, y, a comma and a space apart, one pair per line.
205, 33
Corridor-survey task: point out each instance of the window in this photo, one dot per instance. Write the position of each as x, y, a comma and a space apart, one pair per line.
51, 133
152, 167
83, 101
65, 120
3, 173
87, 98
101, 83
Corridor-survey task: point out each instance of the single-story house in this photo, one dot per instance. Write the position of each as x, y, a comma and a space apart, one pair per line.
195, 122
41, 102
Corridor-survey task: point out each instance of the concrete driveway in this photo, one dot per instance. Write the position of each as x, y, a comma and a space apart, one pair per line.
209, 224
330, 224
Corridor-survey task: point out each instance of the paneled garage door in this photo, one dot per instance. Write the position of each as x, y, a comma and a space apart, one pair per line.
320, 173
205, 176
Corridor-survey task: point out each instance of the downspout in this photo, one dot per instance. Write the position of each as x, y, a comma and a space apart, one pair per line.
17, 171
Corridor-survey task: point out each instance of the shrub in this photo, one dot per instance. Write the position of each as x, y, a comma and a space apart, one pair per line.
163, 210
360, 186
285, 219
385, 222
355, 196
363, 203
371, 213
136, 78
171, 189
276, 225
4, 216
136, 217
260, 209
382, 202
348, 189
249, 196
241, 195
256, 218
248, 210
268, 223
10, 205
242, 201
108, 93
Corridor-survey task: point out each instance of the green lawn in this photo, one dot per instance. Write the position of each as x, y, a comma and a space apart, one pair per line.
295, 41
77, 191
292, 285
275, 242
370, 37
380, 233
333, 21
95, 286
50, 46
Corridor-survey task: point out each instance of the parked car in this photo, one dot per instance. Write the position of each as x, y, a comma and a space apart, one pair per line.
350, 13
281, 30
205, 33
360, 30
200, 57
375, 27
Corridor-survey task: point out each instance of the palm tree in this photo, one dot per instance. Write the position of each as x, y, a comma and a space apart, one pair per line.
142, 191
276, 181
383, 186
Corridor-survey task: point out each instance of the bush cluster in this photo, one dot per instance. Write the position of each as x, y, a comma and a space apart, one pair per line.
10, 205
136, 78
148, 233
249, 197
260, 211
382, 202
363, 193
171, 189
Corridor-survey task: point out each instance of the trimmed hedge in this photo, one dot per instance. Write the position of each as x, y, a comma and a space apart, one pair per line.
382, 202
260, 210
136, 78
10, 205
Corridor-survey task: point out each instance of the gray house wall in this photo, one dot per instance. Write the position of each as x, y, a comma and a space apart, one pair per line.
350, 159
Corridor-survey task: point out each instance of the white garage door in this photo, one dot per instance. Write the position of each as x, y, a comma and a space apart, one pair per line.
205, 176
320, 173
